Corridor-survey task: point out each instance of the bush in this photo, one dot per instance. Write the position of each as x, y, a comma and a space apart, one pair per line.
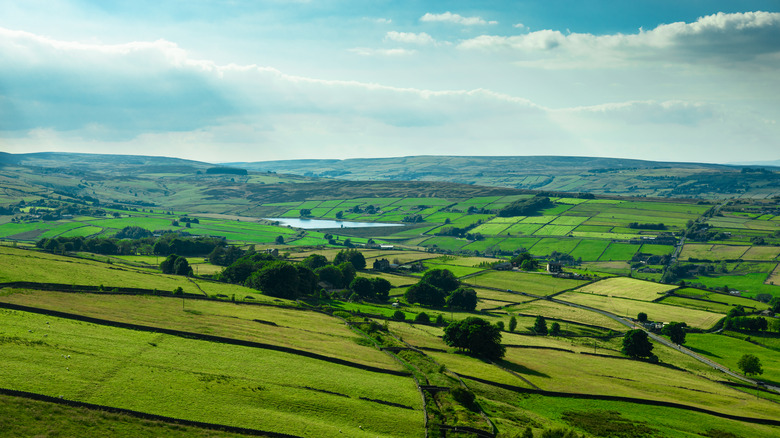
399, 316
422, 318
465, 398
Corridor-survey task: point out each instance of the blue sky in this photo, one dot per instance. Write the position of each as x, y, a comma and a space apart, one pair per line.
264, 80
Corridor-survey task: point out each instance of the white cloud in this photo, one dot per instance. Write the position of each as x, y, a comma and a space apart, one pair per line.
519, 26
719, 38
156, 98
379, 20
365, 51
449, 17
421, 38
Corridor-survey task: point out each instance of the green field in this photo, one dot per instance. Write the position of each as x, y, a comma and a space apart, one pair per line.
728, 350
654, 311
623, 287
168, 375
538, 284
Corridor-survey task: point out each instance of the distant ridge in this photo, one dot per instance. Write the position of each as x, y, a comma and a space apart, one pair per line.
600, 175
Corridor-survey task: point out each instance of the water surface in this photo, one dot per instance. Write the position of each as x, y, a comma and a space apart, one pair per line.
313, 224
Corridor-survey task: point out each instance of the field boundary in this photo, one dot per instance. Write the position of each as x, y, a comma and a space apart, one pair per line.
143, 415
201, 337
641, 401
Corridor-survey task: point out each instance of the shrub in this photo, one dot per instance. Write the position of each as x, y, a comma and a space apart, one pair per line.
399, 316
422, 318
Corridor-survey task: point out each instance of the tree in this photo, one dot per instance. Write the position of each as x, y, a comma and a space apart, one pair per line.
443, 279
529, 265
279, 240
555, 329
381, 288
642, 317
476, 336
278, 279
330, 274
750, 364
540, 325
425, 294
315, 261
422, 318
399, 316
362, 286
636, 344
176, 265
348, 272
512, 323
462, 298
675, 331
351, 255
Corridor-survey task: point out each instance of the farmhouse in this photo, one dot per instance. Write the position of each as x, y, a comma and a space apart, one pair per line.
554, 267
381, 265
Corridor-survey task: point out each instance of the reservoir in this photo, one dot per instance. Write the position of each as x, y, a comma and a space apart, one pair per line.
315, 224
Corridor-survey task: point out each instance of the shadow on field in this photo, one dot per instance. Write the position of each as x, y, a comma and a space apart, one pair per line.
520, 369
703, 352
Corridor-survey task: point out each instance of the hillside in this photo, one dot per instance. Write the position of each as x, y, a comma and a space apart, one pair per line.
617, 176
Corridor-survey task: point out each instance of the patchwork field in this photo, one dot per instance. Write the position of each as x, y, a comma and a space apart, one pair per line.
623, 287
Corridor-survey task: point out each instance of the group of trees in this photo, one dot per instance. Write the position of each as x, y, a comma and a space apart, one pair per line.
475, 336
525, 261
135, 240
274, 277
526, 207
284, 279
540, 327
374, 289
440, 287
176, 265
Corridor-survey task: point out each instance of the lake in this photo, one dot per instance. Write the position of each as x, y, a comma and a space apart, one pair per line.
314, 224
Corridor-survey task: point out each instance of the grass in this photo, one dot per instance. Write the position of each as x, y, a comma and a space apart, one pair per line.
589, 249
624, 287
654, 311
697, 304
538, 284
332, 338
748, 284
546, 412
712, 252
547, 245
727, 350
202, 381
24, 417
619, 251
761, 253
550, 309
552, 370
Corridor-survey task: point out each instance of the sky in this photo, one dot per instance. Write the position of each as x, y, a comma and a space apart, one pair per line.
254, 80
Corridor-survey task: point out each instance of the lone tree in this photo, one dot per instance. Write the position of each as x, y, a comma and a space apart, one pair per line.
512, 323
636, 344
750, 364
642, 317
675, 331
476, 336
540, 325
555, 329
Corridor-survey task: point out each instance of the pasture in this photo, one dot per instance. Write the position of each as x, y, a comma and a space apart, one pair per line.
537, 284
247, 387
655, 311
623, 287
